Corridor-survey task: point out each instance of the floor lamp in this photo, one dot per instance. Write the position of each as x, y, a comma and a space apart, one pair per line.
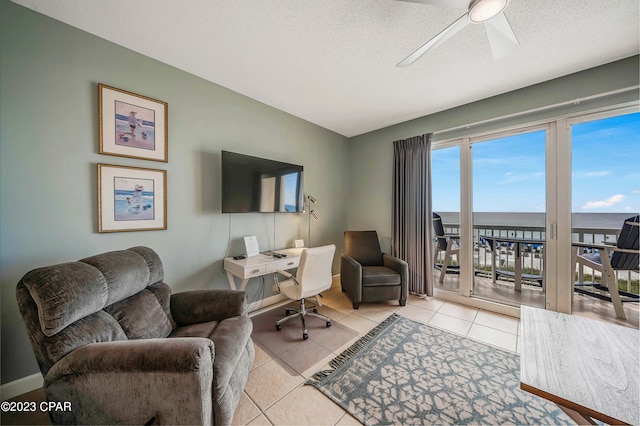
312, 213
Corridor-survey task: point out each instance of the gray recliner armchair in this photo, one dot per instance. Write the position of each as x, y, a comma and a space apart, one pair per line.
112, 340
369, 275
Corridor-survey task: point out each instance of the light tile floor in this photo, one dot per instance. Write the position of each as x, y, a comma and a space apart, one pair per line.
275, 397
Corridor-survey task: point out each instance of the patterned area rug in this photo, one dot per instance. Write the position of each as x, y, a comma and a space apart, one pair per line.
404, 372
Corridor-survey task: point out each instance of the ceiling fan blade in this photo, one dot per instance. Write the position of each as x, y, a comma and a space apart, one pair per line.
455, 4
502, 39
440, 38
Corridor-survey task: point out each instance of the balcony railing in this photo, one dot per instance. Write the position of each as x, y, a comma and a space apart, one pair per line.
533, 256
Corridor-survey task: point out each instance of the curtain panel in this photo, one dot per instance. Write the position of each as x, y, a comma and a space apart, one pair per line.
411, 230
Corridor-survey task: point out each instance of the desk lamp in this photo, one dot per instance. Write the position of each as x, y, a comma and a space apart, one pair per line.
312, 213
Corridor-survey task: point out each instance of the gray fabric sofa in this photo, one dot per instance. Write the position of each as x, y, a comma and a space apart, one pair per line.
112, 340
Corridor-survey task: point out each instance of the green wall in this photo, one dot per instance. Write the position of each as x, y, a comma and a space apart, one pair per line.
49, 151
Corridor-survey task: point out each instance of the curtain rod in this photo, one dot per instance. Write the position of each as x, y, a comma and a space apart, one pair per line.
575, 101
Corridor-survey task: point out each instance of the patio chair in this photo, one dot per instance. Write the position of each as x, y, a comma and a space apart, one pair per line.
607, 258
449, 244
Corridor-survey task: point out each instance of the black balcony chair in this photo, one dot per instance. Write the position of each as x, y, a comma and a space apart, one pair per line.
449, 244
607, 259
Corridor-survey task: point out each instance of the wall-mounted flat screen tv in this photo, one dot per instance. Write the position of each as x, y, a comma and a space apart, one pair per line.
252, 184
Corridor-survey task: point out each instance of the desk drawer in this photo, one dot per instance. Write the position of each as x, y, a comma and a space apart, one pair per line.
254, 271
283, 264
290, 263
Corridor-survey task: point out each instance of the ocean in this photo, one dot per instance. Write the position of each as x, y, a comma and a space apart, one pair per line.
130, 206
611, 221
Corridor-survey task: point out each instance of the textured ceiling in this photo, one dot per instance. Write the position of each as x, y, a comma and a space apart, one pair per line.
332, 62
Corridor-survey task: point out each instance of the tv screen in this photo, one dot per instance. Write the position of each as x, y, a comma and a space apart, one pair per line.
252, 184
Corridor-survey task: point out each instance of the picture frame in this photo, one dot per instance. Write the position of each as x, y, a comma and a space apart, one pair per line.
132, 125
131, 199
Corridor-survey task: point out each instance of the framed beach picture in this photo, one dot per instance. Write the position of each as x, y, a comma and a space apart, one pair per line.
132, 125
131, 199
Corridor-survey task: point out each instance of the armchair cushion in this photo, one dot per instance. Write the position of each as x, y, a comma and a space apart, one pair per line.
192, 307
141, 316
230, 339
379, 275
126, 273
62, 300
201, 329
364, 247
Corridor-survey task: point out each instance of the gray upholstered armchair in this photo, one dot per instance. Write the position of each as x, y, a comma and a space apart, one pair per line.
112, 340
367, 274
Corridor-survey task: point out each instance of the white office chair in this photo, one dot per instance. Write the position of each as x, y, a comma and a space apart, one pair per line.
313, 277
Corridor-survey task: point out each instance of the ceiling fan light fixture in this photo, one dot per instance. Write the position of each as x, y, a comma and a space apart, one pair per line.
481, 11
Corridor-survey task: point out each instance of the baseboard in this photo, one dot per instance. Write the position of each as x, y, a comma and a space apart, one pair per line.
261, 305
20, 386
277, 300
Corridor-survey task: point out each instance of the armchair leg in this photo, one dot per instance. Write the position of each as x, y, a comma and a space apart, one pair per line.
443, 271
609, 280
356, 305
403, 302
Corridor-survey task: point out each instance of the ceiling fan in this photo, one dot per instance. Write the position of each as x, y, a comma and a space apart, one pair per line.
488, 12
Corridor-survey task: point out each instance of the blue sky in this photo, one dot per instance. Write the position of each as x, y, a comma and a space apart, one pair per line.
509, 173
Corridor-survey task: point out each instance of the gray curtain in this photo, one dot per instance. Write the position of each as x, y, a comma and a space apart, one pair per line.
412, 235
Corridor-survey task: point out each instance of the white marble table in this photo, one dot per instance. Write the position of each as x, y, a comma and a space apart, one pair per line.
583, 365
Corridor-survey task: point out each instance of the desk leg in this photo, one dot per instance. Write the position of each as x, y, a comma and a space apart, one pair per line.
517, 277
232, 282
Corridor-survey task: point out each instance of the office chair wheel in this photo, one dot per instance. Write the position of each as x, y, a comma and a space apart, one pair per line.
278, 327
328, 323
314, 310
305, 336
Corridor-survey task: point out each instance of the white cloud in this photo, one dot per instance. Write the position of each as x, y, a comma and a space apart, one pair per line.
591, 174
611, 201
510, 177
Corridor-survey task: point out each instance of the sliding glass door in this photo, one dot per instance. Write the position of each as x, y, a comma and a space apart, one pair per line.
445, 189
605, 153
491, 194
519, 200
509, 217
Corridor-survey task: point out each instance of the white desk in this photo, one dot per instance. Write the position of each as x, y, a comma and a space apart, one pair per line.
587, 366
262, 264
